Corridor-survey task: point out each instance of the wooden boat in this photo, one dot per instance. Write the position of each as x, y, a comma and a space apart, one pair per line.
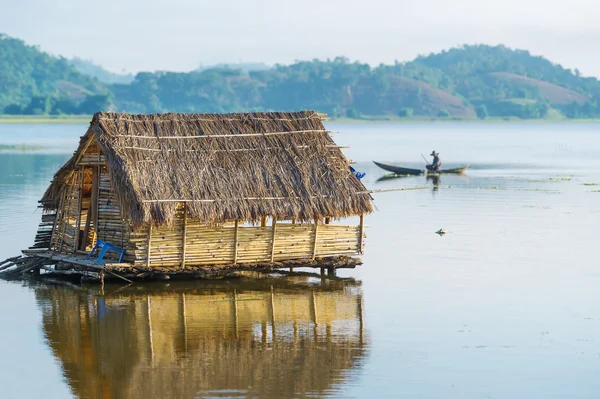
407, 171
399, 170
455, 171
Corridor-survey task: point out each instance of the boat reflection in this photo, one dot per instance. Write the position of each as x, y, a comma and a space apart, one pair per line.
291, 336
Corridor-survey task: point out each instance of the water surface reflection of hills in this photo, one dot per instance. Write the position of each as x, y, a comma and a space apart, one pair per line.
294, 336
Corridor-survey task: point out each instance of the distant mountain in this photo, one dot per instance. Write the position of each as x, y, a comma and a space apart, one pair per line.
89, 68
242, 66
34, 82
463, 83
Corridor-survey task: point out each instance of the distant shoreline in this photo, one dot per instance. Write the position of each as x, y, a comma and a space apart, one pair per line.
44, 119
84, 119
425, 120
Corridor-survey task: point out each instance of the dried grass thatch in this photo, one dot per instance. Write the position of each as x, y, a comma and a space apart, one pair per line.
223, 166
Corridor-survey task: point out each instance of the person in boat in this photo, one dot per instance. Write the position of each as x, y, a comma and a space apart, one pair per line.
436, 165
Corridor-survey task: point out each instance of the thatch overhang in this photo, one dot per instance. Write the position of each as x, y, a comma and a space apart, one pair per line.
223, 166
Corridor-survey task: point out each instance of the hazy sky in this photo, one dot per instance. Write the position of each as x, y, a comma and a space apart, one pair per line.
181, 34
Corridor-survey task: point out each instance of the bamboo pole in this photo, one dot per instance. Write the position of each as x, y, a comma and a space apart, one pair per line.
273, 238
150, 340
235, 242
148, 248
272, 314
300, 147
204, 136
361, 230
235, 312
184, 316
92, 215
314, 247
54, 226
184, 237
79, 203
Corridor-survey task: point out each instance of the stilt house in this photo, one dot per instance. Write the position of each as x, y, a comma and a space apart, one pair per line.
179, 191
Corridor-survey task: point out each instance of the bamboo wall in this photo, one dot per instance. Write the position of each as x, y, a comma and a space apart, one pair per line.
112, 225
204, 245
65, 233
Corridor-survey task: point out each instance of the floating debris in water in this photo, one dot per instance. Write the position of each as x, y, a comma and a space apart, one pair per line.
561, 178
590, 184
441, 232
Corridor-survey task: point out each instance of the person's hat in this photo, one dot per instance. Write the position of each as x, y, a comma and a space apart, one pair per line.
433, 153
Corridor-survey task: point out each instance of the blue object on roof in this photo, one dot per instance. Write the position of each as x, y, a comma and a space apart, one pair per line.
359, 175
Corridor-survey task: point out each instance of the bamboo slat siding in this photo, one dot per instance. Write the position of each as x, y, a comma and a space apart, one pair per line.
214, 245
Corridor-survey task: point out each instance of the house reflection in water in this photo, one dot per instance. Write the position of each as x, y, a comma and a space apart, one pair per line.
268, 338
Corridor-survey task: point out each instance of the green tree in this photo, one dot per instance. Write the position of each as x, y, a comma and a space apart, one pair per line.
39, 105
405, 112
94, 103
443, 113
13, 109
482, 111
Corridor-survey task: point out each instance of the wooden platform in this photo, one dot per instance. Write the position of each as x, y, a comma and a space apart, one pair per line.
80, 260
77, 267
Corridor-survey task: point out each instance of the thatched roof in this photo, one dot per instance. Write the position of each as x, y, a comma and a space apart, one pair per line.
223, 166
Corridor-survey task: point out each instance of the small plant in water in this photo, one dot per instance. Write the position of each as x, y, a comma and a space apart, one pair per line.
561, 178
590, 184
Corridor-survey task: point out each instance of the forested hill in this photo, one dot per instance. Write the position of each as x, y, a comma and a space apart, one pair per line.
467, 82
33, 82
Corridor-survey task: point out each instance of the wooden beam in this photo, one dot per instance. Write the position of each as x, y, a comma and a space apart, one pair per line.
235, 242
91, 214
79, 203
207, 151
149, 244
361, 230
207, 136
316, 232
54, 225
273, 238
184, 236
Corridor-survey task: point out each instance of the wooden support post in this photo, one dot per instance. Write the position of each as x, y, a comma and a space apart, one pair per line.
313, 307
316, 232
359, 309
53, 232
67, 198
97, 207
57, 236
149, 244
235, 312
273, 238
235, 241
327, 220
90, 212
184, 317
361, 232
272, 314
184, 237
79, 201
148, 302
263, 221
293, 220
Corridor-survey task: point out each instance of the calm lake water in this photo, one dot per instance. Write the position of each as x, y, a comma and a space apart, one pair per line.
505, 305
